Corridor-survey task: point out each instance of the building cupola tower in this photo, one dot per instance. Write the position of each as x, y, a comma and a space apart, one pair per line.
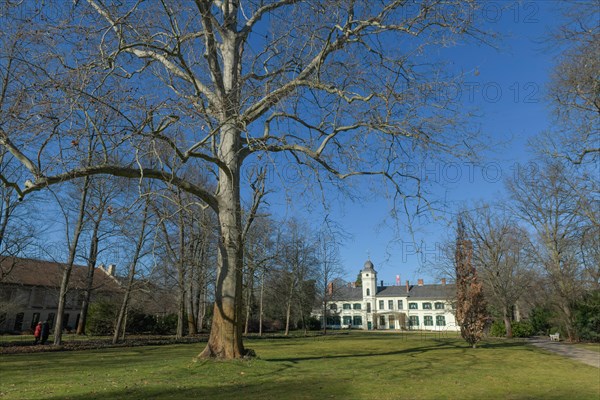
369, 282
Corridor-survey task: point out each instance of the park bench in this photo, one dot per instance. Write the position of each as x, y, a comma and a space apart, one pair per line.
555, 336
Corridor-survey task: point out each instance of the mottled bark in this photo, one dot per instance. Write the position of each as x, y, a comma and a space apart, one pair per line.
225, 340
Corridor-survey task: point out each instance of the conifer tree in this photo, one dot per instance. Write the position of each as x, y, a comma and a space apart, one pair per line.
471, 312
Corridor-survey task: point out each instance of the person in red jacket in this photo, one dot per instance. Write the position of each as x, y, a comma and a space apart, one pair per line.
38, 332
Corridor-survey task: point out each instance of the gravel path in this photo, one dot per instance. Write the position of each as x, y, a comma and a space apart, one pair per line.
588, 357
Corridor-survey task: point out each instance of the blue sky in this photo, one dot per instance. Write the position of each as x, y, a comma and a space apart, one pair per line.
506, 86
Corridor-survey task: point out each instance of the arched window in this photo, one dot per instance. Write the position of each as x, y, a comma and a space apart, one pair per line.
368, 292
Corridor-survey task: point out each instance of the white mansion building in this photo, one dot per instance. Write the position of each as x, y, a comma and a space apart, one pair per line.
423, 307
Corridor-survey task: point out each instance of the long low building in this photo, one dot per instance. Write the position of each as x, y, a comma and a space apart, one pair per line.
410, 307
29, 292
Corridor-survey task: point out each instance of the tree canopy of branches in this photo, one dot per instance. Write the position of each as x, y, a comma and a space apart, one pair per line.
574, 91
344, 88
501, 255
471, 312
566, 233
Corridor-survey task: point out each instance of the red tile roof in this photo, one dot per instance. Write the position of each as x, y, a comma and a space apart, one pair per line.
30, 272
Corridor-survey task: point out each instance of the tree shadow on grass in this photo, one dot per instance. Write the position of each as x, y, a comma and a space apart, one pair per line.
420, 349
297, 389
439, 344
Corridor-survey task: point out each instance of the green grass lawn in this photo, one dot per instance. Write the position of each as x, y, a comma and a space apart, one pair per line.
353, 366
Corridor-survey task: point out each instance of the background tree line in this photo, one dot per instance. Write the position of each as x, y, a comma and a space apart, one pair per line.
538, 251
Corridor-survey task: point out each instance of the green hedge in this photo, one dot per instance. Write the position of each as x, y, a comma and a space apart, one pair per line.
520, 329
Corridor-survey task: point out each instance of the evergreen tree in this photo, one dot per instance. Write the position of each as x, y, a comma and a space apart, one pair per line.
471, 312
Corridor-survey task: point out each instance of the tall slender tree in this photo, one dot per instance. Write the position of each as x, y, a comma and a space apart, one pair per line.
73, 243
471, 312
138, 254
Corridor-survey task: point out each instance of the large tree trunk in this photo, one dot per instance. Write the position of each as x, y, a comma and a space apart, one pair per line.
225, 340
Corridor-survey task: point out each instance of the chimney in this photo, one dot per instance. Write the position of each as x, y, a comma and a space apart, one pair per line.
407, 286
420, 282
330, 288
111, 269
381, 283
397, 280
443, 281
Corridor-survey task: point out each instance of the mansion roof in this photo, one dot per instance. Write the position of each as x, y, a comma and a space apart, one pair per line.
30, 272
419, 291
439, 291
348, 293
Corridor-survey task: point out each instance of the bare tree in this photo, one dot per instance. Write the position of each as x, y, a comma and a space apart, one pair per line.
174, 227
344, 88
329, 270
138, 253
102, 192
17, 224
73, 243
298, 263
471, 312
260, 255
501, 252
574, 91
543, 198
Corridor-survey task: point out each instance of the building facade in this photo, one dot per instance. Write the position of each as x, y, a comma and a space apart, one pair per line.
30, 289
409, 307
